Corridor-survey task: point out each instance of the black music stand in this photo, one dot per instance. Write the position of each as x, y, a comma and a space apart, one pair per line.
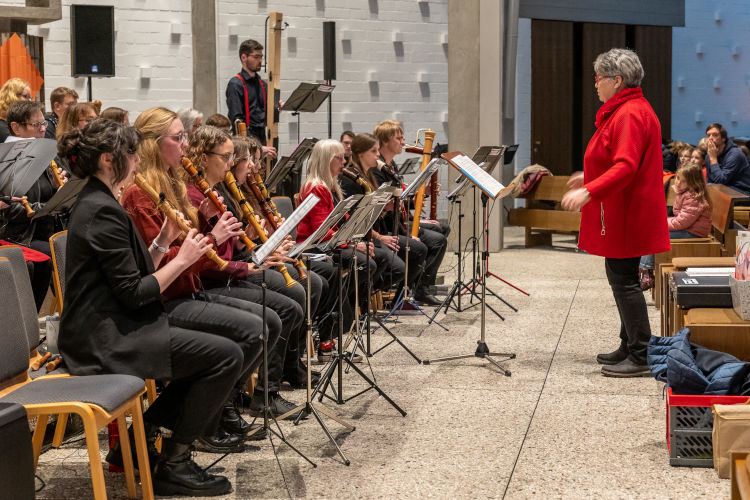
354, 228
290, 164
307, 98
490, 187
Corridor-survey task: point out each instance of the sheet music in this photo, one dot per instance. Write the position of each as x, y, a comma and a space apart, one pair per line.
485, 181
263, 251
333, 218
425, 174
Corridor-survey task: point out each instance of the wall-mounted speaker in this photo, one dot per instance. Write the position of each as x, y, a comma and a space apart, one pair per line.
329, 50
92, 40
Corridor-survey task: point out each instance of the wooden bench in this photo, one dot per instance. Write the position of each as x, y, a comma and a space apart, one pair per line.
719, 329
543, 215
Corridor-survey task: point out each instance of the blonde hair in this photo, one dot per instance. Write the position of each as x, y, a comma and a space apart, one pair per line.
319, 167
692, 174
9, 94
152, 125
69, 119
384, 131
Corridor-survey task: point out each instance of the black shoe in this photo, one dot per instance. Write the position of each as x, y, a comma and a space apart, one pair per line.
278, 405
114, 455
177, 474
220, 442
232, 421
612, 358
626, 368
300, 381
243, 400
425, 298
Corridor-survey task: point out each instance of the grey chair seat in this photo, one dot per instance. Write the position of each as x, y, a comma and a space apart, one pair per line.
108, 391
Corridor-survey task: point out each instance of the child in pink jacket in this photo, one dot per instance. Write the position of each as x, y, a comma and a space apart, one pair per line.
692, 214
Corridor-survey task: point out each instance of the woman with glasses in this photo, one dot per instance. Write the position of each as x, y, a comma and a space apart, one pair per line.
114, 320
212, 152
621, 197
76, 116
187, 301
12, 90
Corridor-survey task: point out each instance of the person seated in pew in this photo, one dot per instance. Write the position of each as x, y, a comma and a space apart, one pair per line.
726, 164
692, 215
114, 320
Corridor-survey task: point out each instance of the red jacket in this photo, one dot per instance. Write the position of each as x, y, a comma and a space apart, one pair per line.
622, 170
691, 215
318, 214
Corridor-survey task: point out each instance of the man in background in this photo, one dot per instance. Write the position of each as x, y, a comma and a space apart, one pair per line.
59, 99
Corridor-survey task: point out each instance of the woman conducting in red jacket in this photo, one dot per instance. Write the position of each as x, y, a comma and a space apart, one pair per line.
621, 197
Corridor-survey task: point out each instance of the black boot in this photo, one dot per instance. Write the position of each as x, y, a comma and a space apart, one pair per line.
177, 474
114, 456
233, 423
220, 441
619, 354
631, 305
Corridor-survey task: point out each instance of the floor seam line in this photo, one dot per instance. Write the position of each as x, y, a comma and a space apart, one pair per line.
541, 391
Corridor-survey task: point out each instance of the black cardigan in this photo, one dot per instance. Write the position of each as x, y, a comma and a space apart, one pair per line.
113, 319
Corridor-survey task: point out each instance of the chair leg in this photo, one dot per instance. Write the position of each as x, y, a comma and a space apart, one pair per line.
150, 390
127, 457
62, 424
144, 468
95, 459
38, 438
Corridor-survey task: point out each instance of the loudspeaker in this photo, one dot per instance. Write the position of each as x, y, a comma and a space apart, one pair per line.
329, 50
92, 41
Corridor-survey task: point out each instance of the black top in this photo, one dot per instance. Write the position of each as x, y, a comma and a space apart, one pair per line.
51, 120
4, 130
256, 93
113, 319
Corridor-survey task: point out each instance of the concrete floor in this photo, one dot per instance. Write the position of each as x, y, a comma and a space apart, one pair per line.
554, 429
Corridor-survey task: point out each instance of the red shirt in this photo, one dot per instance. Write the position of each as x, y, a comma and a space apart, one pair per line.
622, 169
318, 214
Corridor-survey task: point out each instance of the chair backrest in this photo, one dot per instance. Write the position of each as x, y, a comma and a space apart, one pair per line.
285, 207
27, 309
14, 347
57, 243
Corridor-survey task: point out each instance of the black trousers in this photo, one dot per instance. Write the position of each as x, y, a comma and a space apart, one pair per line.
417, 257
635, 330
285, 303
391, 269
204, 370
293, 367
436, 244
327, 310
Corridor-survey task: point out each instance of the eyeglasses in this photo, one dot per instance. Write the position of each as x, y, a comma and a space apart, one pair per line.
256, 56
227, 157
598, 78
340, 157
37, 125
181, 137
239, 159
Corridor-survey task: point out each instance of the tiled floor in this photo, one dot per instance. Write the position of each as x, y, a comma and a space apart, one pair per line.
554, 429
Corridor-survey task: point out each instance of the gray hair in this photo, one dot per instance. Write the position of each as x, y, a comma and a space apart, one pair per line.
188, 116
620, 62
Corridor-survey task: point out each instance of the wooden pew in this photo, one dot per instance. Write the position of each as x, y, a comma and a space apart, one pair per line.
543, 215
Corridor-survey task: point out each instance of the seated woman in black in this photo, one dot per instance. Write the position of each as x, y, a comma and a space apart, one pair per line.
114, 321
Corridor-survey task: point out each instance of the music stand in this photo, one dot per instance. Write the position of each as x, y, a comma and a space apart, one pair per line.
353, 227
291, 163
491, 188
410, 166
307, 98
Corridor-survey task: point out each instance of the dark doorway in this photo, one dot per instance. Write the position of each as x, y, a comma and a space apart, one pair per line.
563, 98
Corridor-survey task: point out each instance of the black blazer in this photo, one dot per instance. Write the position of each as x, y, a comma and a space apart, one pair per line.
113, 319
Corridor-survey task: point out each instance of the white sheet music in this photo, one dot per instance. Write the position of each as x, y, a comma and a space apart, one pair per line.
485, 181
267, 248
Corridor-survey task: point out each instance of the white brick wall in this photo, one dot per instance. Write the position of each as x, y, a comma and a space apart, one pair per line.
144, 39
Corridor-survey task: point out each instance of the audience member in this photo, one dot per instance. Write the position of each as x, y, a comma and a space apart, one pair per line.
59, 99
726, 163
191, 119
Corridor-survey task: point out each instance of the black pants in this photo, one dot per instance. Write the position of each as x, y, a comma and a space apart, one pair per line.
417, 257
204, 370
294, 370
391, 269
326, 316
635, 330
283, 302
436, 244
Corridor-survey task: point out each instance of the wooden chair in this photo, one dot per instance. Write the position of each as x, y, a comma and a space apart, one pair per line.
98, 399
543, 214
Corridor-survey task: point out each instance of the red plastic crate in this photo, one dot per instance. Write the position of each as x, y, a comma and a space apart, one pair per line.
690, 424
